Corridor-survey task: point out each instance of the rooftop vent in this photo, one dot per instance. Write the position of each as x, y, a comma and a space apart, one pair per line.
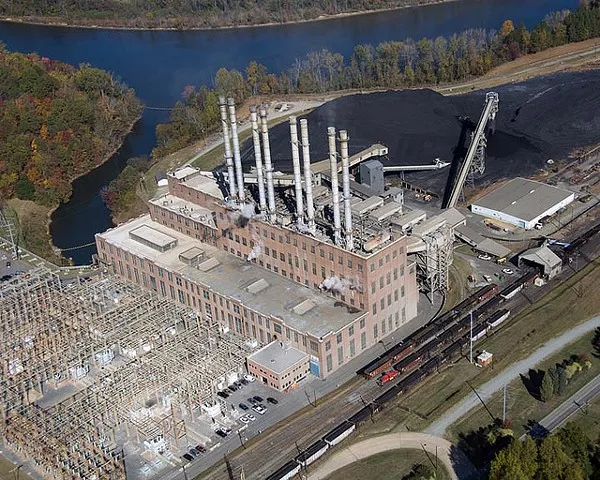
192, 256
303, 307
257, 286
208, 264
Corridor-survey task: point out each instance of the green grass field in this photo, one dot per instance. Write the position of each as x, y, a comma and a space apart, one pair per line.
521, 406
392, 465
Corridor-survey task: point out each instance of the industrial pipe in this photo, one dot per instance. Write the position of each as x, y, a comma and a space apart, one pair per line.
310, 208
297, 172
236, 151
227, 142
262, 203
346, 189
268, 164
335, 189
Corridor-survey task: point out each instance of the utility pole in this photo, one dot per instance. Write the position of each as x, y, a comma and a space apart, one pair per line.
184, 472
482, 402
423, 445
504, 405
241, 439
471, 338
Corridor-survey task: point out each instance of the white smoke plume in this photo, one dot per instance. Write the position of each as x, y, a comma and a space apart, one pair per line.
340, 285
257, 249
247, 210
255, 252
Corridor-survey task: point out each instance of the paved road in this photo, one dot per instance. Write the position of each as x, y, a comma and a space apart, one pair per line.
509, 374
572, 405
456, 462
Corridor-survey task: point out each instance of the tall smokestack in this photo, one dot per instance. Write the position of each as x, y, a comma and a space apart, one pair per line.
257, 155
346, 189
297, 172
310, 209
227, 142
335, 190
236, 151
268, 165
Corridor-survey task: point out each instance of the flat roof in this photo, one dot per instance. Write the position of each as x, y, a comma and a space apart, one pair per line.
153, 236
523, 198
278, 357
205, 184
184, 172
185, 208
229, 275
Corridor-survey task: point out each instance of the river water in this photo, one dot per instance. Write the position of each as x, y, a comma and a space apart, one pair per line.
159, 64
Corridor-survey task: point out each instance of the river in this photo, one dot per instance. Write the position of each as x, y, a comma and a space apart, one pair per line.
159, 64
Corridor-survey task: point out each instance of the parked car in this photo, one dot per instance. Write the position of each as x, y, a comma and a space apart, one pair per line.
484, 256
4, 278
233, 388
200, 448
508, 271
243, 406
245, 420
272, 400
238, 385
193, 452
244, 381
250, 417
260, 409
221, 433
258, 399
223, 394
188, 457
248, 377
251, 400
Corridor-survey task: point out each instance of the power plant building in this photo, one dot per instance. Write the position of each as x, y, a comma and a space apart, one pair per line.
325, 277
523, 202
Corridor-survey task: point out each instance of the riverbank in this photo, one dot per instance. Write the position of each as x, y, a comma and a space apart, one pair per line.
570, 57
94, 24
33, 220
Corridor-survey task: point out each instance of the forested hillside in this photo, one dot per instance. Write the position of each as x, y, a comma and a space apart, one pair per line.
388, 65
187, 13
56, 122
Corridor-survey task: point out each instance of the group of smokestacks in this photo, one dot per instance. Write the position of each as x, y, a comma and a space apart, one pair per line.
348, 241
264, 171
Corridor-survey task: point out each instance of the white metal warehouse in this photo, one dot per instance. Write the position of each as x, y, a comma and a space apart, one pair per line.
523, 202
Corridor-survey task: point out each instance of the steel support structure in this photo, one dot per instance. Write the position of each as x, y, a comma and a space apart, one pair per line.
88, 366
475, 159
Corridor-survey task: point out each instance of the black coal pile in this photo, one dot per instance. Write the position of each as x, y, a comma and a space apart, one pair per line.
542, 118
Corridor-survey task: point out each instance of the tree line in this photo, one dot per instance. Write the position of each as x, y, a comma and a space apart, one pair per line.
56, 122
393, 64
566, 455
182, 14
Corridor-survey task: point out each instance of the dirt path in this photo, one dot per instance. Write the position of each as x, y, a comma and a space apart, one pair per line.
509, 374
457, 464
